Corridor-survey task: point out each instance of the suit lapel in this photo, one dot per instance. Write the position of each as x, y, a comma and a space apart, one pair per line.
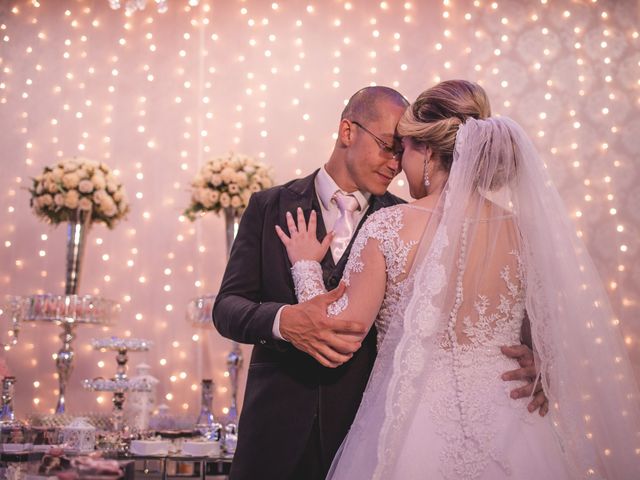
302, 193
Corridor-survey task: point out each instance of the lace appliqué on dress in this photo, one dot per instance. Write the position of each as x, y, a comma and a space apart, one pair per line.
408, 367
383, 226
464, 407
307, 279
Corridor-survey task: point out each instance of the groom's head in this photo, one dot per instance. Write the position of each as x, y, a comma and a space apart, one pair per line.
367, 153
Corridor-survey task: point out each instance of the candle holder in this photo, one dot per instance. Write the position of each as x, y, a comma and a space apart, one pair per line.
200, 311
68, 311
119, 384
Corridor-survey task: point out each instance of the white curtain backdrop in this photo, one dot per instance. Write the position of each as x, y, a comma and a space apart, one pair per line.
154, 95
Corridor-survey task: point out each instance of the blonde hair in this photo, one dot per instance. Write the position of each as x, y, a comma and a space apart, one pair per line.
434, 118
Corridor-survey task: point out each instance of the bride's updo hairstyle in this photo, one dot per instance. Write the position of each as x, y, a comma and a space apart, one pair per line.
434, 118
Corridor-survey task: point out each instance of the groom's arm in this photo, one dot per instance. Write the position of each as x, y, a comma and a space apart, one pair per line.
528, 372
238, 312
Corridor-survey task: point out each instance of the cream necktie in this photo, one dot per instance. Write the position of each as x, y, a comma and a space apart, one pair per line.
345, 224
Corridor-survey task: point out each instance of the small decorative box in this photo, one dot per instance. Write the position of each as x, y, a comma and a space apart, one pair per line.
79, 436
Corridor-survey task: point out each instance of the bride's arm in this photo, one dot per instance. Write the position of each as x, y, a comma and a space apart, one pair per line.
364, 275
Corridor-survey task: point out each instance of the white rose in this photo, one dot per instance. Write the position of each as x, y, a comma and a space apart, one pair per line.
104, 167
233, 188
85, 204
85, 186
235, 163
216, 166
91, 163
199, 180
255, 187
213, 195
236, 201
70, 180
216, 180
249, 168
71, 199
70, 166
100, 196
227, 174
46, 200
118, 195
123, 207
266, 182
108, 207
56, 174
82, 172
51, 186
242, 179
225, 200
98, 181
58, 199
112, 186
205, 200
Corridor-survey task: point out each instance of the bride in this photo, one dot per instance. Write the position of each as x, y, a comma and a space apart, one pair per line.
451, 277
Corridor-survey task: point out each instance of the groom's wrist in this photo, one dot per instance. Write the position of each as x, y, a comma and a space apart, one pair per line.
275, 330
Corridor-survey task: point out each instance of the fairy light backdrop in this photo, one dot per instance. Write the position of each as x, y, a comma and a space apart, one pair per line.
155, 94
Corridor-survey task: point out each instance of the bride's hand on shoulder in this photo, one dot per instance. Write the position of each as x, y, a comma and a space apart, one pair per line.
302, 244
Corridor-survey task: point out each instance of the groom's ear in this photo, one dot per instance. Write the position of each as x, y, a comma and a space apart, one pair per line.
345, 133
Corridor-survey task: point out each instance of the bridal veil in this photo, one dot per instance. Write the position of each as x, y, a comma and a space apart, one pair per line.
499, 200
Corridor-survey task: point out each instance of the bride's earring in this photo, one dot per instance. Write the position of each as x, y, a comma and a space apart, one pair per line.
426, 180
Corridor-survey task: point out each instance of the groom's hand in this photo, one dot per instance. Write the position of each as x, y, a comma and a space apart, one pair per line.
528, 373
307, 327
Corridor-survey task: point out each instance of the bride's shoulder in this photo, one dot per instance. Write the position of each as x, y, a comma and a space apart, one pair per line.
384, 219
386, 213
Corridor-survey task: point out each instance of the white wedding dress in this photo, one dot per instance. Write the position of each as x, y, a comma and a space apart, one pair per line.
466, 426
447, 287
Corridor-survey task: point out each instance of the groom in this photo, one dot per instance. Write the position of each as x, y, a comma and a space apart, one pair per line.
305, 383
296, 411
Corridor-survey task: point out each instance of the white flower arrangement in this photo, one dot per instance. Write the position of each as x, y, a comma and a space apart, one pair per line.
227, 182
78, 184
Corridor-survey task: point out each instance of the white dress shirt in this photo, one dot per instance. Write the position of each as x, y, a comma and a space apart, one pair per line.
326, 187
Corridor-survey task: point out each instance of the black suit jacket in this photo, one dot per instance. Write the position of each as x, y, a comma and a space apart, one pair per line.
286, 388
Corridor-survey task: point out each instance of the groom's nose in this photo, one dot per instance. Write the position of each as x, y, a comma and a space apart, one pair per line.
395, 165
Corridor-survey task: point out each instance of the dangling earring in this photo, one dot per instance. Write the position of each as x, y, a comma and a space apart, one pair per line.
426, 180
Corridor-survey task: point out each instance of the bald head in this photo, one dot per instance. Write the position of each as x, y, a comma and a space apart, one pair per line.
363, 105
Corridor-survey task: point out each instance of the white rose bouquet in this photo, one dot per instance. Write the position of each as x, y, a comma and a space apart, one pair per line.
78, 184
227, 182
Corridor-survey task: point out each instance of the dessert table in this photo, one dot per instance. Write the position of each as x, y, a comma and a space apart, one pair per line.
24, 466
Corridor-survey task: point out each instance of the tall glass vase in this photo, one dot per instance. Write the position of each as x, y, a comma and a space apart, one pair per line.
234, 358
77, 231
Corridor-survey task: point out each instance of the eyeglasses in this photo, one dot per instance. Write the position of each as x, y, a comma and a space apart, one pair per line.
394, 151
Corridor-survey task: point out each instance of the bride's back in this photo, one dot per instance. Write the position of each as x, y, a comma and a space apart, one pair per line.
487, 288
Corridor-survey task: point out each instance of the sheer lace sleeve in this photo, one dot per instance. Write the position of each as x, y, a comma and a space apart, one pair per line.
307, 279
364, 275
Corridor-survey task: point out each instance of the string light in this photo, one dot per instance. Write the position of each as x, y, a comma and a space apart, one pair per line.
114, 85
